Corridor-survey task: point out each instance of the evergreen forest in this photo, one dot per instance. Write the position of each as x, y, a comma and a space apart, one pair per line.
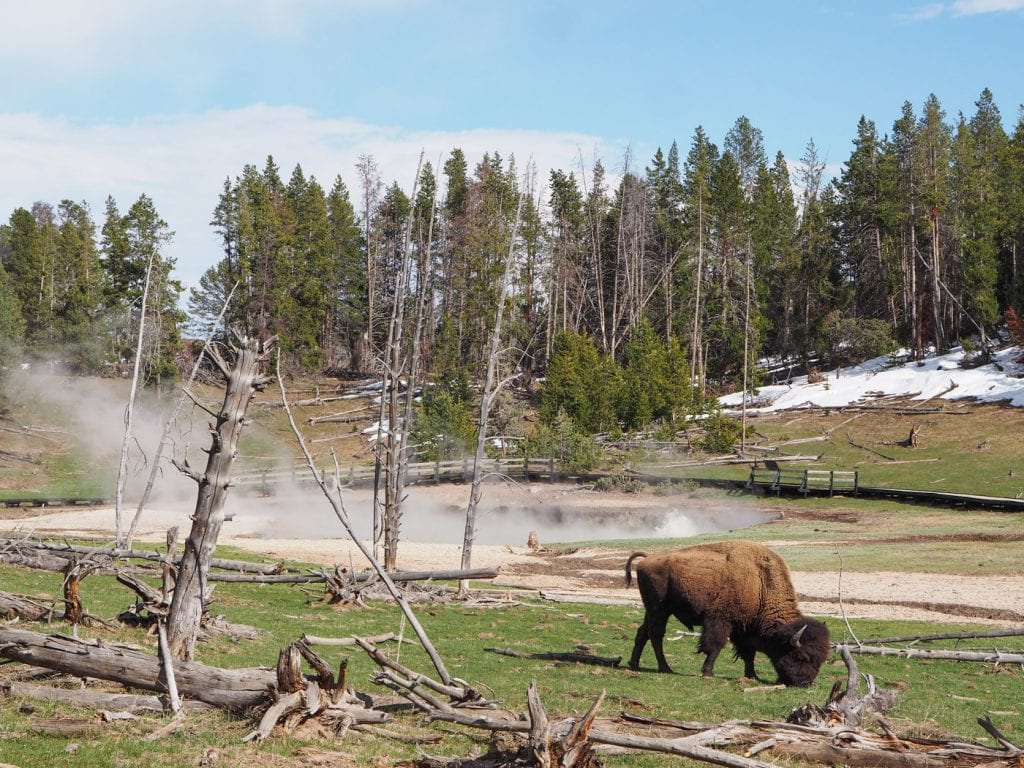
636, 294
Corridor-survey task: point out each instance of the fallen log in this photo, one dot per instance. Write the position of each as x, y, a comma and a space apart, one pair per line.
576, 657
119, 702
689, 746
24, 547
411, 681
566, 744
233, 689
1012, 632
987, 657
36, 561
358, 578
315, 640
20, 607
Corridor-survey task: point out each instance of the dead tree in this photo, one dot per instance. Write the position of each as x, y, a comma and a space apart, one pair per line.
122, 469
337, 504
164, 438
391, 441
243, 381
298, 698
490, 391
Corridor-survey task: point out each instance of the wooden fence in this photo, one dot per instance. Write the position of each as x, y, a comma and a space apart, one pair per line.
774, 478
460, 470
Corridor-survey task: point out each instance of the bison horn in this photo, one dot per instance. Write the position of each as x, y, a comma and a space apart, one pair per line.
796, 637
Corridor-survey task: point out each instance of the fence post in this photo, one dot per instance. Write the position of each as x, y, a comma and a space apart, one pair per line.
526, 469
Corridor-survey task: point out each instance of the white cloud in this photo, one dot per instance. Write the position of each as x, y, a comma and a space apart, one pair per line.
960, 8
66, 40
923, 13
974, 7
181, 161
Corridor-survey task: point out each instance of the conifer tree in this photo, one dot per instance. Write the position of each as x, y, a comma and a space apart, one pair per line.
346, 312
698, 169
860, 227
12, 324
776, 260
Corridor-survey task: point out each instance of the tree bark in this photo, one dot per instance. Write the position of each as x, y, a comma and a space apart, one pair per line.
235, 689
243, 381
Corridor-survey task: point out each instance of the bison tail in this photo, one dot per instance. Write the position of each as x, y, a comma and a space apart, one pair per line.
629, 566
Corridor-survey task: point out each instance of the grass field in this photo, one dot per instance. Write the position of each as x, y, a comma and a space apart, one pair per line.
973, 452
939, 698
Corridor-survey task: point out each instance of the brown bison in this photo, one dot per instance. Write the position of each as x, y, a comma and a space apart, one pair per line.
736, 590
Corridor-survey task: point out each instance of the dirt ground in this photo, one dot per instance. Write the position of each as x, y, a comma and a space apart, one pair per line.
510, 512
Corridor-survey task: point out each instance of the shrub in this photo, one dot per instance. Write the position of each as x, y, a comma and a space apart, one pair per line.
443, 429
573, 450
849, 340
720, 433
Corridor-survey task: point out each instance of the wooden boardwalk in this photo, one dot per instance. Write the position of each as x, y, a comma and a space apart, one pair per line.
762, 480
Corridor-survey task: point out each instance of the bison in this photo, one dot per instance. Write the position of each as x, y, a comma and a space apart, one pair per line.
739, 591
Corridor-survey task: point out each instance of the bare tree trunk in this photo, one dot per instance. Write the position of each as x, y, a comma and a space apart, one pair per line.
155, 461
122, 469
746, 352
341, 513
243, 381
937, 331
422, 294
395, 360
695, 338
485, 402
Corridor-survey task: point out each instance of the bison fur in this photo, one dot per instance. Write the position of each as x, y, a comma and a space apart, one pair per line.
737, 590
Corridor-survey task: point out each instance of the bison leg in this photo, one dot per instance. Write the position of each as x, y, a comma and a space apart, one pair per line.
653, 629
642, 635
746, 649
713, 638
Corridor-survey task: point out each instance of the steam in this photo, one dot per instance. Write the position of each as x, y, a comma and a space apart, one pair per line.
304, 515
93, 410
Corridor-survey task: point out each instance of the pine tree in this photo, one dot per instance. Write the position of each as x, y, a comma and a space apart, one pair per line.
567, 285
25, 267
776, 259
1012, 203
147, 235
697, 183
728, 250
582, 383
12, 324
78, 287
985, 271
746, 145
346, 279
818, 279
666, 186
860, 227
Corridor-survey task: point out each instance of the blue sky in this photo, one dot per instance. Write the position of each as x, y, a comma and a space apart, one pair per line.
125, 97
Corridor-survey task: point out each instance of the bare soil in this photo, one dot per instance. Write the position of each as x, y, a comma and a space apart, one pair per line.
593, 572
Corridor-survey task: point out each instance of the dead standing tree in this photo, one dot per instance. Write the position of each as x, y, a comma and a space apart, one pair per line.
243, 381
490, 391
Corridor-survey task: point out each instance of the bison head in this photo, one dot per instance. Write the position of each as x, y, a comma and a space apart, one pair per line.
797, 650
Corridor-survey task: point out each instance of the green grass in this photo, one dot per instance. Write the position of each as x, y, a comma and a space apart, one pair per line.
976, 454
937, 697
